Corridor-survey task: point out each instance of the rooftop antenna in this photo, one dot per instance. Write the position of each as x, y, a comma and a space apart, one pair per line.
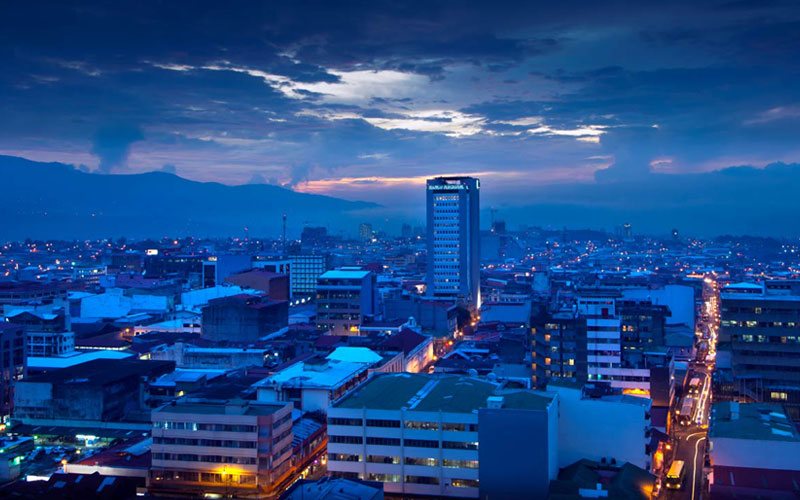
284, 236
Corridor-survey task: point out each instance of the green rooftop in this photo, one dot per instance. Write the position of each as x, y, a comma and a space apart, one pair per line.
456, 394
434, 393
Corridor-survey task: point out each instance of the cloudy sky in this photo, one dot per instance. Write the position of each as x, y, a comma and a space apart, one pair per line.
658, 107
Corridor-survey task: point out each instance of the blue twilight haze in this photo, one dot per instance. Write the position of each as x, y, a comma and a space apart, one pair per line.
665, 114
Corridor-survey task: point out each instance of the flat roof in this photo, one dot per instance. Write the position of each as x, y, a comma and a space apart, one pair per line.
432, 393
232, 407
330, 374
757, 421
344, 274
58, 362
99, 372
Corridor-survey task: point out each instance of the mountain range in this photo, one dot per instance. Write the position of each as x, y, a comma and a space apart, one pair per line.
58, 201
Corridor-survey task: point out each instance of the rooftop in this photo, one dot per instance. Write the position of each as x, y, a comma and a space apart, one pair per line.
100, 372
313, 374
340, 274
355, 355
232, 407
432, 393
757, 421
62, 362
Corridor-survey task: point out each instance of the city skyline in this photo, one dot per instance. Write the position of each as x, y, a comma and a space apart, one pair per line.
567, 113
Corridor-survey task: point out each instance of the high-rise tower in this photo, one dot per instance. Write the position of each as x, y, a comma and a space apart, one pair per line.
453, 206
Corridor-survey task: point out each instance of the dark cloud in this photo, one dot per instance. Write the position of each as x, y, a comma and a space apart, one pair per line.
691, 86
111, 144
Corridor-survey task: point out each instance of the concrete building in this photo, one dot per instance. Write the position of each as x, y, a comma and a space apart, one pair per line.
100, 392
237, 448
217, 268
445, 436
334, 489
12, 451
754, 450
47, 344
273, 285
13, 365
436, 316
345, 297
625, 343
313, 384
559, 347
598, 423
305, 270
758, 351
243, 318
453, 208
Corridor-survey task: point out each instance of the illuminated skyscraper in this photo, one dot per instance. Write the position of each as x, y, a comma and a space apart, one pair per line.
453, 205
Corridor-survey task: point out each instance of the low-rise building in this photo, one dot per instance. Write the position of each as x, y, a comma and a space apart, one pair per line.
93, 394
599, 423
754, 450
313, 384
345, 297
241, 448
445, 436
242, 318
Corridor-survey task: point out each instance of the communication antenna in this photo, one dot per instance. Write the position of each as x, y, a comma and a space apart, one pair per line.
284, 236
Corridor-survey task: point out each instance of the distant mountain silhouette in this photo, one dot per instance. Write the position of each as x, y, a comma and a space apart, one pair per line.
54, 200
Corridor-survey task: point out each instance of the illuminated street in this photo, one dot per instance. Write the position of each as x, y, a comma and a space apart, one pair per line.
691, 440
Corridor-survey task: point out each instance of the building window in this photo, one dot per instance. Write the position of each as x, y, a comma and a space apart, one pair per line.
345, 421
384, 478
383, 441
383, 423
421, 443
430, 426
346, 439
422, 480
458, 445
464, 483
460, 464
429, 462
778, 396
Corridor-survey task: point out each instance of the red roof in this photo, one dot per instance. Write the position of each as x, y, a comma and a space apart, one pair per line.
406, 340
763, 479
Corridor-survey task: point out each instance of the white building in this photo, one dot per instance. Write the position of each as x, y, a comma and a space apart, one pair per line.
421, 435
313, 384
599, 426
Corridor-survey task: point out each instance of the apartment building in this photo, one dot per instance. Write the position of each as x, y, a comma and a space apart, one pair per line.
208, 447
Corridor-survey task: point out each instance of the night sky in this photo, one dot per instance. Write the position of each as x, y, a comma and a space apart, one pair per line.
658, 108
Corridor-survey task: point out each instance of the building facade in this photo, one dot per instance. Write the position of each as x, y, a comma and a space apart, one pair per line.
758, 351
304, 272
421, 435
243, 318
345, 297
453, 211
12, 364
232, 448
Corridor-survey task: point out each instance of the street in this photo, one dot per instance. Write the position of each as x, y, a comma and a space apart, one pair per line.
690, 441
